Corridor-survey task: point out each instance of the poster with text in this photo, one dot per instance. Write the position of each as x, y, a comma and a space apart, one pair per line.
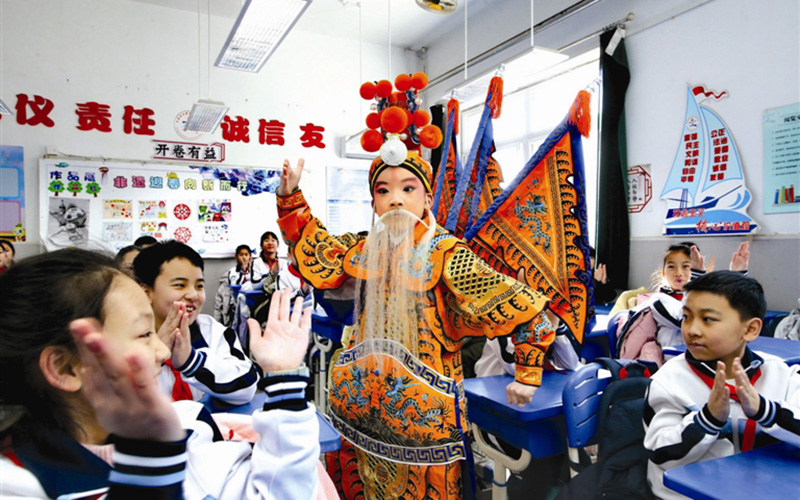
782, 159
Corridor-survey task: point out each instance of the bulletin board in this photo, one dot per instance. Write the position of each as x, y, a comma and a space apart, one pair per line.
108, 204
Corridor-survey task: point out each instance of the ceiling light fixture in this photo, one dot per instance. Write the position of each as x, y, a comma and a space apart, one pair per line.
438, 6
206, 115
261, 27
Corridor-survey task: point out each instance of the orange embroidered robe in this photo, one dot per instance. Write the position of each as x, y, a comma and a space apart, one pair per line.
407, 442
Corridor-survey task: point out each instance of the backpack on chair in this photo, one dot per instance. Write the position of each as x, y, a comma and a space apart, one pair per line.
621, 468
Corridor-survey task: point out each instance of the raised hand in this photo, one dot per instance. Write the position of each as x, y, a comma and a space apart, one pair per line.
290, 177
600, 274
122, 387
283, 343
741, 258
699, 261
719, 403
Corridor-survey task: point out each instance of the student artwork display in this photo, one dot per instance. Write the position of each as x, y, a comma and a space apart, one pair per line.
68, 222
12, 193
117, 209
782, 159
117, 231
103, 203
705, 190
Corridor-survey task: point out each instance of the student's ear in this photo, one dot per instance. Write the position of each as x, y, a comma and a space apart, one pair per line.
60, 368
753, 329
148, 291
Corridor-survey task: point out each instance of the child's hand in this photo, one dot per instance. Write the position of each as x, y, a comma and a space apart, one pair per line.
283, 344
520, 394
290, 177
174, 332
699, 261
719, 400
748, 396
182, 346
741, 258
171, 324
122, 389
600, 274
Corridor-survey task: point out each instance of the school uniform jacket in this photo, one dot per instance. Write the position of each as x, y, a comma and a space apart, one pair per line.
281, 465
216, 366
681, 430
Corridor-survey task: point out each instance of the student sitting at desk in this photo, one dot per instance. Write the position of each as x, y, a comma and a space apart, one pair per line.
206, 356
84, 416
697, 400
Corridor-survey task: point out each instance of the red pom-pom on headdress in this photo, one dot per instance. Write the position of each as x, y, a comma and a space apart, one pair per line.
402, 82
371, 141
384, 89
394, 119
367, 91
373, 121
421, 118
430, 136
419, 80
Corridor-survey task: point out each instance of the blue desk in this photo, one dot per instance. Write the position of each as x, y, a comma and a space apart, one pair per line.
538, 427
328, 435
769, 472
787, 350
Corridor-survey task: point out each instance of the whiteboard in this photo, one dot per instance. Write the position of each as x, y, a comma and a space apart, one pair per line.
108, 204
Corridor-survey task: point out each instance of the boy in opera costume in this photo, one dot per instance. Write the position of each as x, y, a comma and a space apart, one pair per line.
396, 391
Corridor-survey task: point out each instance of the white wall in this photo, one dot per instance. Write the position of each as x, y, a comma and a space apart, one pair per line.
120, 52
752, 51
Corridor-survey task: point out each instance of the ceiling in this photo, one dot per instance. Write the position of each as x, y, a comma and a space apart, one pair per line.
411, 26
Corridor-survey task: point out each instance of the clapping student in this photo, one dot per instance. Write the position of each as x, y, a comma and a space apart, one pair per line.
697, 400
206, 357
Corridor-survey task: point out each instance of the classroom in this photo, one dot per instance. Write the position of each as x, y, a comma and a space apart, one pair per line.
98, 92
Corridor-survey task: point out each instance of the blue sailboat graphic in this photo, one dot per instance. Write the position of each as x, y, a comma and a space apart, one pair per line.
705, 191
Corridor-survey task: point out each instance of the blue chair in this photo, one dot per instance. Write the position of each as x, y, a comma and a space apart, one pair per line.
581, 400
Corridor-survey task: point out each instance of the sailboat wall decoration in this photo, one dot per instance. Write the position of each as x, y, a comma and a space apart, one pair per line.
705, 191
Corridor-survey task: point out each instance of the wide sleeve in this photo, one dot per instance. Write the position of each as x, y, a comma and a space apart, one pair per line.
320, 255
476, 300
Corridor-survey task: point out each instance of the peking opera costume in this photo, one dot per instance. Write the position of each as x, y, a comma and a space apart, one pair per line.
396, 391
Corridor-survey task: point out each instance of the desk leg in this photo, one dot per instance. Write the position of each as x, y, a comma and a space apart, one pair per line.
501, 463
324, 346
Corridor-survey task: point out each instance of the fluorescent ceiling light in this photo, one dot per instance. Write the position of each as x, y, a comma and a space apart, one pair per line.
205, 116
517, 72
5, 110
261, 27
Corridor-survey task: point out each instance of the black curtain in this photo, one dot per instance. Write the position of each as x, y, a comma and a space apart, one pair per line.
613, 231
438, 119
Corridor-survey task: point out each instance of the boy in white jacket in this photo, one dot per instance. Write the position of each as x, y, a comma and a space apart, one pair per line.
719, 398
207, 357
